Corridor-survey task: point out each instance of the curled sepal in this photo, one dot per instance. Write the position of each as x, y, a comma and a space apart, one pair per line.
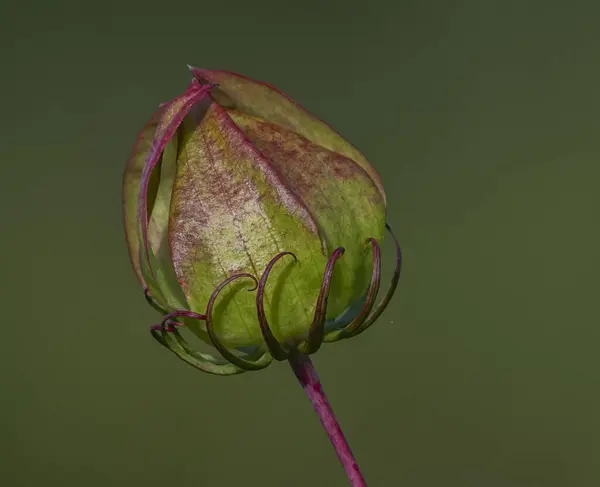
256, 362
275, 348
390, 292
167, 335
352, 327
315, 334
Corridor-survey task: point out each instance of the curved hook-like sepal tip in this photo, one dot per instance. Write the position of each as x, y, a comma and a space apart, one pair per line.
371, 241
317, 328
275, 348
262, 361
350, 329
391, 289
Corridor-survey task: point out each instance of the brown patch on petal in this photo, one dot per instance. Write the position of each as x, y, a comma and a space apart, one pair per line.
262, 100
304, 165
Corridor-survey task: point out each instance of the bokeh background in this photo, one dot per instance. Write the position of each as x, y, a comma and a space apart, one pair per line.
483, 119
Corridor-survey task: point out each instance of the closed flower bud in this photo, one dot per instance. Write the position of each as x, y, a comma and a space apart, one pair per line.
252, 223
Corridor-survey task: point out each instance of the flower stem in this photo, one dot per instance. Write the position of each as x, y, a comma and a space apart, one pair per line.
307, 376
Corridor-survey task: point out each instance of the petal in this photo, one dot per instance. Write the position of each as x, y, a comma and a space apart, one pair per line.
231, 212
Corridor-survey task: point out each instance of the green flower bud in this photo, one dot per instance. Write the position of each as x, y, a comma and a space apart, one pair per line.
232, 181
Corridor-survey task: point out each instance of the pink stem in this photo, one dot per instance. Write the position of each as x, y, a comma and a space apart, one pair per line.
306, 374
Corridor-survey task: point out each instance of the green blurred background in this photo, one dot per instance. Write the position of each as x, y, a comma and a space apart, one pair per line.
481, 116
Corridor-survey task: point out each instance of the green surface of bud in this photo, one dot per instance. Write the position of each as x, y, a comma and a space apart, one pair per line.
229, 175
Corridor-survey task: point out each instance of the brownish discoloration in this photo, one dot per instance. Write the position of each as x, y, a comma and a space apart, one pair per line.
260, 99
304, 165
